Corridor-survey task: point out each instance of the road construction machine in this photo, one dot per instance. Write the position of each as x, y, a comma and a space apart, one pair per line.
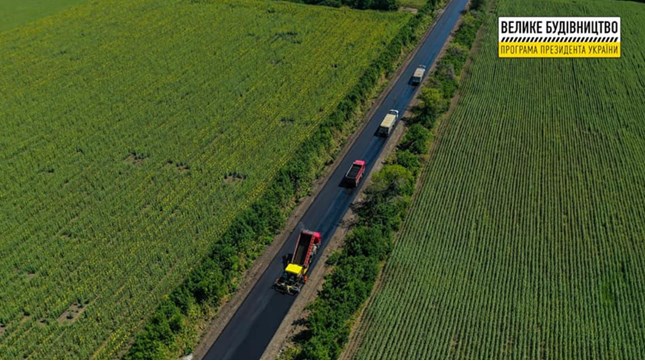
294, 275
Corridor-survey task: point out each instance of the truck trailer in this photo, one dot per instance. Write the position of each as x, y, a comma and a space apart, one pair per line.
294, 275
354, 174
418, 75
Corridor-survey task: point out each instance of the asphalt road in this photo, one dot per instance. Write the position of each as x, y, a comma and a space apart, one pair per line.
251, 328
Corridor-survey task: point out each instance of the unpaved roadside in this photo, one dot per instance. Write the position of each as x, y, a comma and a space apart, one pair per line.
251, 276
292, 324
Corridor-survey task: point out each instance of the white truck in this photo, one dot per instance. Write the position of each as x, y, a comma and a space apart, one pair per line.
388, 123
418, 75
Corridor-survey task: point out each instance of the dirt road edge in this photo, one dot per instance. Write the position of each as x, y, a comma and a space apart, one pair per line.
228, 309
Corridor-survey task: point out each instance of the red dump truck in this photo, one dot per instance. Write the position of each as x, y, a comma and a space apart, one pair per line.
354, 174
295, 273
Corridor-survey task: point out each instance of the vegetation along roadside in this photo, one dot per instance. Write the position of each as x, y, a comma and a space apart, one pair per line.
387, 198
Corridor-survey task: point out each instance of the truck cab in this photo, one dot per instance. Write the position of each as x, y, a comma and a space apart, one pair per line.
388, 123
418, 75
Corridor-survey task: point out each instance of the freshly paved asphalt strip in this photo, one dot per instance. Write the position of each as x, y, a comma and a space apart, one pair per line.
251, 328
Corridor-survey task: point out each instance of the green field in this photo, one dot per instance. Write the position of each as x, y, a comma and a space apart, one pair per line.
526, 238
14, 13
416, 4
133, 133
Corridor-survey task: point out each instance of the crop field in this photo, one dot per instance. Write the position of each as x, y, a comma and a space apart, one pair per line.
17, 12
526, 238
133, 133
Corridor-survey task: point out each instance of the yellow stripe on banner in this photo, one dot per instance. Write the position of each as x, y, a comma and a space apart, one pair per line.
559, 50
